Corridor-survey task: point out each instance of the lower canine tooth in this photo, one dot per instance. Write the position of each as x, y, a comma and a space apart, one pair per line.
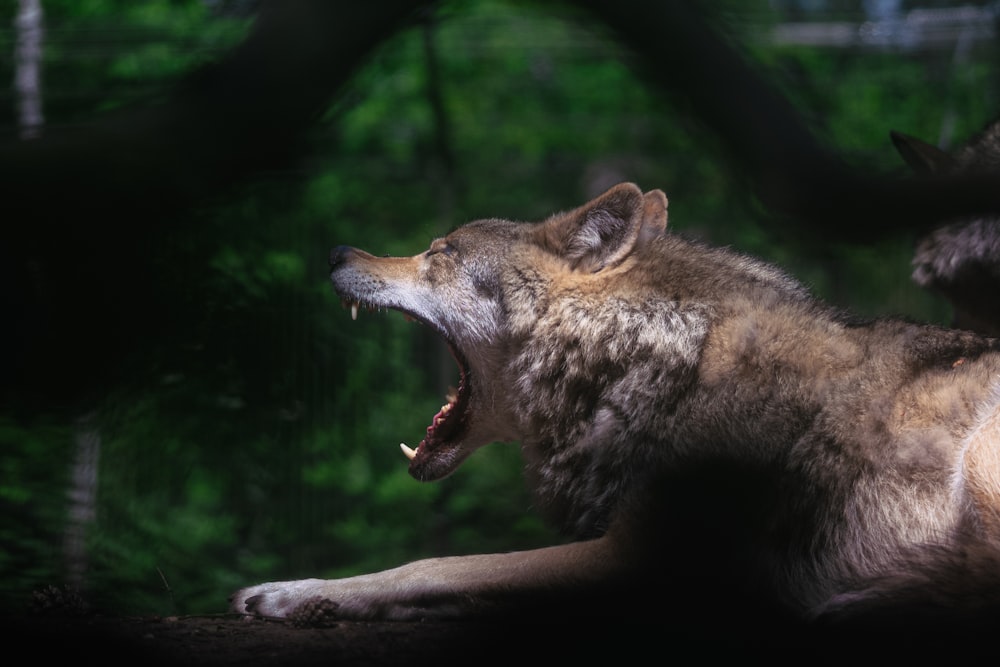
354, 310
407, 451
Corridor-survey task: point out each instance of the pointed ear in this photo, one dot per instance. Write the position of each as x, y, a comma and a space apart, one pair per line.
654, 216
924, 158
602, 233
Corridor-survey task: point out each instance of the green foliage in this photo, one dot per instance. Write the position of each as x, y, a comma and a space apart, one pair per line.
263, 441
31, 504
908, 93
105, 54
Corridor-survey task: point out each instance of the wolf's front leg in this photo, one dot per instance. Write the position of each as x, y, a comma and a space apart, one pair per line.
450, 587
427, 588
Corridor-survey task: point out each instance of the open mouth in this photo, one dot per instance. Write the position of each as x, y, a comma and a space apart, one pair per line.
439, 452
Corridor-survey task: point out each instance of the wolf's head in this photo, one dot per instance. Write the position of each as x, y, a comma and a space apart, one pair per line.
480, 288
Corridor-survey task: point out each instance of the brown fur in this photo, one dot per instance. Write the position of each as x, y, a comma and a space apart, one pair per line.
703, 429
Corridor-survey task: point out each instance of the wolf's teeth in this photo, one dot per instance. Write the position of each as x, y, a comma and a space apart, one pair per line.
354, 310
407, 451
445, 408
452, 395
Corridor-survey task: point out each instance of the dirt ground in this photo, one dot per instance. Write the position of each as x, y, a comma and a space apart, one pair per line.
730, 633
228, 640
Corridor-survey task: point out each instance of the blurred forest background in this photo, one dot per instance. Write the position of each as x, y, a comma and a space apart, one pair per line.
257, 437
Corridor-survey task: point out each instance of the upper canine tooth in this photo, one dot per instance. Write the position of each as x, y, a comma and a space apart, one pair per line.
407, 451
354, 310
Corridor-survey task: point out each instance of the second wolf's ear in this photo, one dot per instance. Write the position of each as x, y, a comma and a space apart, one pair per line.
602, 232
924, 158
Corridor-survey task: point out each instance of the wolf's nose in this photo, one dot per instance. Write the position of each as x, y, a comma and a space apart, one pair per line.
338, 255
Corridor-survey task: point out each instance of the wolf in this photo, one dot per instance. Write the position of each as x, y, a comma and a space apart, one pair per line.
960, 260
711, 438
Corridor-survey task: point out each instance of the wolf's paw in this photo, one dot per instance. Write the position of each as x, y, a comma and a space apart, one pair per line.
316, 612
278, 599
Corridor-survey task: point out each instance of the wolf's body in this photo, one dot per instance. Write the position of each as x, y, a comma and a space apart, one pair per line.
694, 419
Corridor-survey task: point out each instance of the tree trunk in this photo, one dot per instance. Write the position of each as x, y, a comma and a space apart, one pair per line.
82, 497
82, 492
28, 67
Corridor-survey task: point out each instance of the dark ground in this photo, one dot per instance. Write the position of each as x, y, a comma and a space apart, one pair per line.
57, 626
229, 640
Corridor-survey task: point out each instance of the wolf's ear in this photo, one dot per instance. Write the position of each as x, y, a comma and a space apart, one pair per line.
924, 158
602, 232
654, 216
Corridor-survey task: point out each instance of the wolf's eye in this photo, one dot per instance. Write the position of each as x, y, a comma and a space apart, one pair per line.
441, 247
